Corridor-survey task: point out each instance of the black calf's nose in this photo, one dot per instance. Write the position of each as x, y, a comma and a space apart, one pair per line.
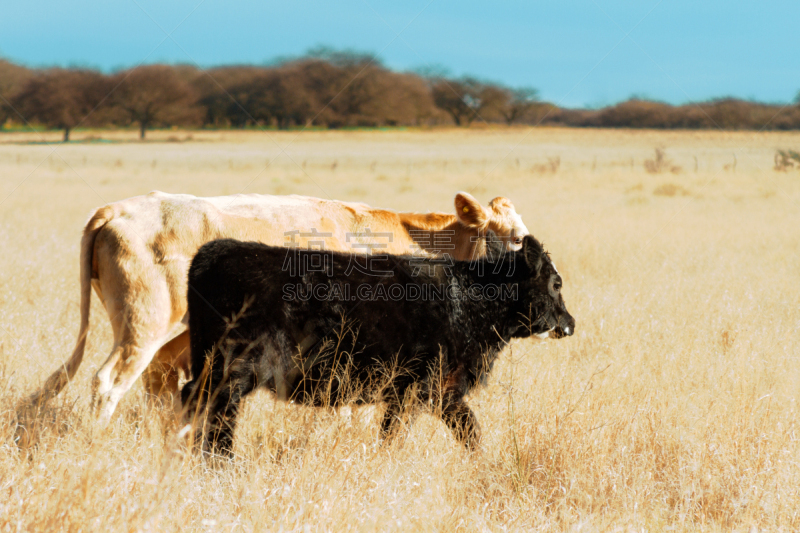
568, 327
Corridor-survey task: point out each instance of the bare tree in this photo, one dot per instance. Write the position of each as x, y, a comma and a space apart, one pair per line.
153, 94
12, 79
519, 104
323, 81
400, 98
290, 100
466, 99
277, 95
361, 85
457, 98
343, 84
354, 89
60, 98
493, 100
215, 89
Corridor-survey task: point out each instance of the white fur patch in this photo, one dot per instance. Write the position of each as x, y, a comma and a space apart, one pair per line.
544, 335
519, 226
518, 229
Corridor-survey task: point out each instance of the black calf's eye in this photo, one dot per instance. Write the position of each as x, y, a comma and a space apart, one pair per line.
557, 286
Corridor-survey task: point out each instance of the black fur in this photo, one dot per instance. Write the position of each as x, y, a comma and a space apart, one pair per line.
247, 331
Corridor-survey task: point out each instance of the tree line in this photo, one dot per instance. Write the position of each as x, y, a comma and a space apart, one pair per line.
326, 89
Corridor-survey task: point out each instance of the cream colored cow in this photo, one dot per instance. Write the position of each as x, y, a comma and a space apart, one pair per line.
136, 254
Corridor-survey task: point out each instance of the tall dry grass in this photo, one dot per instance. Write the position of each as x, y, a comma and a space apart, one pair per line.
672, 407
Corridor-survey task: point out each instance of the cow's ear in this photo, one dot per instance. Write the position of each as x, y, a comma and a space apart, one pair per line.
533, 253
469, 212
501, 205
494, 247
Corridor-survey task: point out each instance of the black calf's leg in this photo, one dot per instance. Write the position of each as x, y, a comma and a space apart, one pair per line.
224, 410
194, 396
462, 422
390, 417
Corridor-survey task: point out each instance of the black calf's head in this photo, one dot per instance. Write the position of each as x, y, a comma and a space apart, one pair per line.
540, 292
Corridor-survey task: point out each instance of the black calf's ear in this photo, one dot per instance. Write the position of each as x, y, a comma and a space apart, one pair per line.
494, 246
533, 253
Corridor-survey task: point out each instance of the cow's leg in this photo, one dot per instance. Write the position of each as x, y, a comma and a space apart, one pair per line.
137, 298
162, 376
137, 337
118, 374
461, 421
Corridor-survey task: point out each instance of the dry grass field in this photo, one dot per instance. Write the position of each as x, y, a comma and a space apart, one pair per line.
673, 407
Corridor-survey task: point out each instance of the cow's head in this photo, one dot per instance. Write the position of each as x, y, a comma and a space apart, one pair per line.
544, 313
500, 217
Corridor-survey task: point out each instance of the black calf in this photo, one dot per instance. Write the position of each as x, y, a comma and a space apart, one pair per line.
326, 328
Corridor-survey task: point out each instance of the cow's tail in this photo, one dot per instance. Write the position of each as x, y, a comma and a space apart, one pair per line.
62, 376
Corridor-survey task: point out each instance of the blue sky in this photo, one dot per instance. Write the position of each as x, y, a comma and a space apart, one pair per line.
577, 53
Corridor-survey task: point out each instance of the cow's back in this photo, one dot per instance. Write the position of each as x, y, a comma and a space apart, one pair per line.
181, 223
158, 234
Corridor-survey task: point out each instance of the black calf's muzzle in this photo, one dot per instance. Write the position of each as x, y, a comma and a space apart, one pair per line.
565, 328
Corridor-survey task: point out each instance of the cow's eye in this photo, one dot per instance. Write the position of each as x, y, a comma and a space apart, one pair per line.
557, 286
518, 240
